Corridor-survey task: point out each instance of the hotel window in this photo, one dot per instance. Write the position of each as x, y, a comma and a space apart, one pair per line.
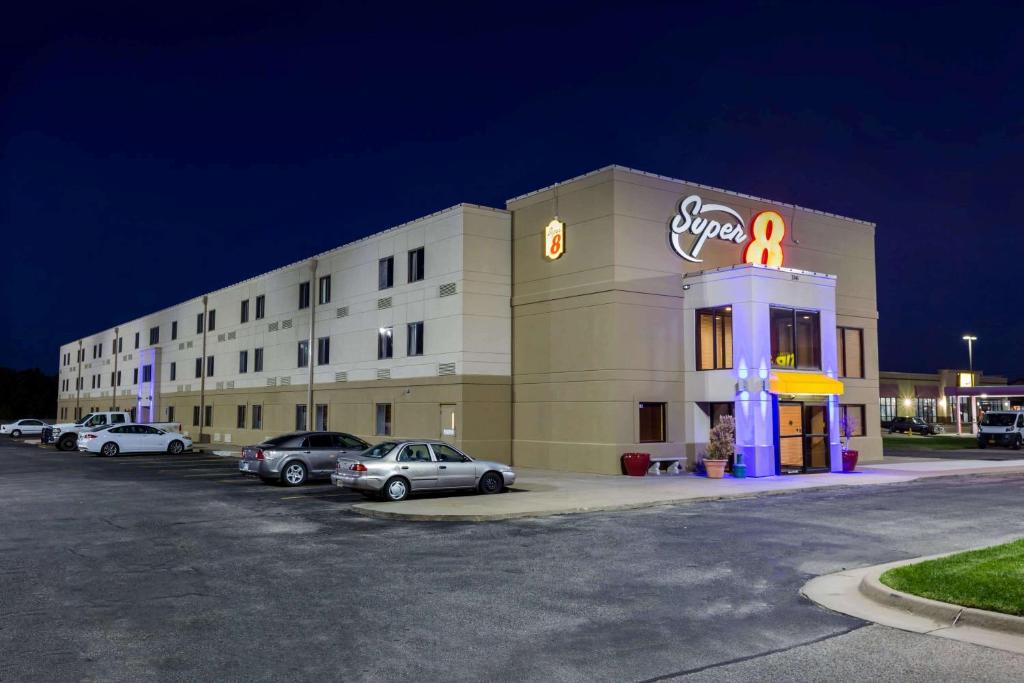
926, 409
120, 344
384, 343
652, 422
209, 416
135, 375
261, 306
303, 295
714, 338
850, 351
243, 362
147, 373
211, 322
416, 265
386, 272
887, 409
170, 413
383, 426
209, 366
174, 330
720, 410
257, 360
796, 338
854, 415
415, 339
303, 360
154, 335
323, 350
257, 417
324, 290
320, 418
118, 378
130, 412
136, 340
199, 368
300, 417
199, 323
243, 314
240, 421
174, 371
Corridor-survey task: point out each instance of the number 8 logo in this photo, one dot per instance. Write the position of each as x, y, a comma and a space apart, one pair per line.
556, 245
765, 249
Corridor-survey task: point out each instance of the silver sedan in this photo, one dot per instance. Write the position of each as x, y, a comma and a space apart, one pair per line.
394, 469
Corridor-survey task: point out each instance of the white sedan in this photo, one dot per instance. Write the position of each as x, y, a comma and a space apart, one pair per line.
23, 427
132, 438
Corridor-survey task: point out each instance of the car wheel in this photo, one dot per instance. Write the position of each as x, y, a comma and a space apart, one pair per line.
1016, 443
395, 489
175, 447
110, 449
66, 444
491, 482
294, 474
16, 433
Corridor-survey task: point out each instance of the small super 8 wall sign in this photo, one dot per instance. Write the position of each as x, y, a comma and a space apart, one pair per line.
554, 240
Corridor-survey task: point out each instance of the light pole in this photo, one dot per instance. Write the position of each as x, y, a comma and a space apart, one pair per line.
970, 339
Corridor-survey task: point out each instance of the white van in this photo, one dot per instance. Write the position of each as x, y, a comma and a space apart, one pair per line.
1001, 428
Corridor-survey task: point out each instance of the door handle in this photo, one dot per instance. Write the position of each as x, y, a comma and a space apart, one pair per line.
442, 467
405, 467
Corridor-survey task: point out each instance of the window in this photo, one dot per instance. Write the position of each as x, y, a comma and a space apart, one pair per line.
199, 368
714, 338
416, 265
414, 452
136, 340
652, 422
209, 366
154, 335
384, 343
796, 338
257, 360
240, 423
386, 272
300, 416
926, 409
320, 423
445, 453
118, 378
199, 323
243, 362
720, 410
113, 379
303, 295
414, 339
383, 419
324, 290
174, 330
170, 413
303, 360
261, 308
174, 371
243, 315
257, 417
209, 416
135, 375
120, 344
132, 411
850, 351
323, 350
147, 373
853, 417
211, 322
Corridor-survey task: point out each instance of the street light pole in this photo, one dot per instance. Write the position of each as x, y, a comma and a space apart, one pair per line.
970, 339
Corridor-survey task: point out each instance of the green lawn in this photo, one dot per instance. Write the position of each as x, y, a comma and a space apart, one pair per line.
942, 442
991, 578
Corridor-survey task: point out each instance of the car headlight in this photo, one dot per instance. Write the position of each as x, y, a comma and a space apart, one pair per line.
56, 431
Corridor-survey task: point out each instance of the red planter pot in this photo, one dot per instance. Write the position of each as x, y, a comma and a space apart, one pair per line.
636, 464
849, 461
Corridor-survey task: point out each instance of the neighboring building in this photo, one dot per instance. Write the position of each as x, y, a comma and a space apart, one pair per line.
614, 312
944, 397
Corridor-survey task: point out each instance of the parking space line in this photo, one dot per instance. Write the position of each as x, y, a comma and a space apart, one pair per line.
317, 495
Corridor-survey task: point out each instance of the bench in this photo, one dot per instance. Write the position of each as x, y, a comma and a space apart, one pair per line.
675, 467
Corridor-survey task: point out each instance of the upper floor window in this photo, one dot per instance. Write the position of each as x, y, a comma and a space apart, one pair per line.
174, 371
303, 360
416, 265
323, 350
243, 314
199, 323
796, 338
261, 308
303, 295
415, 339
136, 340
174, 330
135, 375
209, 366
147, 373
154, 335
257, 360
120, 344
386, 272
324, 290
211, 322
199, 368
243, 362
384, 343
714, 338
850, 351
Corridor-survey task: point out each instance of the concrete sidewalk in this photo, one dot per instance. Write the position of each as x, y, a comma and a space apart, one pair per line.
540, 493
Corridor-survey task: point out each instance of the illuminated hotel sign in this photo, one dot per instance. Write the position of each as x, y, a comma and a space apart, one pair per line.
702, 222
966, 379
554, 240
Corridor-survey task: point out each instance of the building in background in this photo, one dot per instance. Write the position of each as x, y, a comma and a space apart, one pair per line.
945, 397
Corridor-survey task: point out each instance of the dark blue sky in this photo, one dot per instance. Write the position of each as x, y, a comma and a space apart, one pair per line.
213, 142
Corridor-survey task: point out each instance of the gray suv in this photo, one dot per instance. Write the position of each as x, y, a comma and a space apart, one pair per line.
293, 459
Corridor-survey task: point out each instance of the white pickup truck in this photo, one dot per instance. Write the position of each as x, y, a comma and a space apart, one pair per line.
65, 434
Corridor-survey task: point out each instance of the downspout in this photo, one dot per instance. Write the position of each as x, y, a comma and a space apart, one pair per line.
202, 374
310, 408
512, 343
78, 382
113, 385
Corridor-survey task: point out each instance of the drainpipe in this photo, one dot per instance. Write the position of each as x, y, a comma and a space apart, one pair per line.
202, 373
113, 384
78, 381
313, 297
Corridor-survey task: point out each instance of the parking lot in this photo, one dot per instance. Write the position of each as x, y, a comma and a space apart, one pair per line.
176, 568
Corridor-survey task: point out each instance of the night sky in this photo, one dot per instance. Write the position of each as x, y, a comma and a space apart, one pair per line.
214, 142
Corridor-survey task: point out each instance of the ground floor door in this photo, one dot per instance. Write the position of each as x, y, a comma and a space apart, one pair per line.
803, 437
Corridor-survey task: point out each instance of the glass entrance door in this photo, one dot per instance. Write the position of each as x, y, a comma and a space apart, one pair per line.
803, 438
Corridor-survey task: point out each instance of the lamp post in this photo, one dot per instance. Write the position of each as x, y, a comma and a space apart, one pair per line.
970, 339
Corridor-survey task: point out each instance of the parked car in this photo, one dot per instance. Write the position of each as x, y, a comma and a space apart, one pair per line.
109, 440
1001, 428
394, 469
293, 459
25, 427
65, 434
914, 424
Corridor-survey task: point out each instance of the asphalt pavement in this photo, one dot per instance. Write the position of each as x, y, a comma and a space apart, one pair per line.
161, 568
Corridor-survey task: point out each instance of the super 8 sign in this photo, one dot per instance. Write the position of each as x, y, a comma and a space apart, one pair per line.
554, 240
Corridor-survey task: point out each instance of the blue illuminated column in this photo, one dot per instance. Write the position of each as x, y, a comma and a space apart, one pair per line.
755, 418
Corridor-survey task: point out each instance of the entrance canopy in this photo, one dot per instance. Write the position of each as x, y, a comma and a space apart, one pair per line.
797, 383
998, 391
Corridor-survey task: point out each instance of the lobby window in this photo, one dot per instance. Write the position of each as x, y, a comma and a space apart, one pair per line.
261, 306
383, 426
211, 322
887, 409
257, 360
323, 350
652, 422
850, 351
257, 417
303, 295
415, 339
243, 362
714, 338
320, 417
384, 343
209, 416
386, 272
154, 335
854, 415
796, 338
199, 368
240, 420
300, 417
174, 371
174, 330
209, 366
926, 409
147, 373
324, 290
199, 323
303, 360
416, 264
243, 313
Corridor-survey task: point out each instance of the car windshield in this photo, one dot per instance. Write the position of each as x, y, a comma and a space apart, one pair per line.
380, 450
998, 419
85, 419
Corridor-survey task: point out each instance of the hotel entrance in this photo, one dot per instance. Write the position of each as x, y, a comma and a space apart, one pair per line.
803, 437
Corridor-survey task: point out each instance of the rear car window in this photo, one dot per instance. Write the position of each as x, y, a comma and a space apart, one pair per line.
287, 439
380, 450
320, 441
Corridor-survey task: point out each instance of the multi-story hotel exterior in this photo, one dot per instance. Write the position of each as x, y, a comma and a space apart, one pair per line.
615, 312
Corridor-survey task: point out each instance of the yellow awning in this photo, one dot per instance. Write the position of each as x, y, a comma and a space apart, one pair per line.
804, 383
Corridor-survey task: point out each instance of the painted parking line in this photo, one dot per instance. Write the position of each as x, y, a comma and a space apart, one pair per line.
314, 494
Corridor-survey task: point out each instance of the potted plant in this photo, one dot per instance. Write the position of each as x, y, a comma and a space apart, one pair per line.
721, 444
847, 428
